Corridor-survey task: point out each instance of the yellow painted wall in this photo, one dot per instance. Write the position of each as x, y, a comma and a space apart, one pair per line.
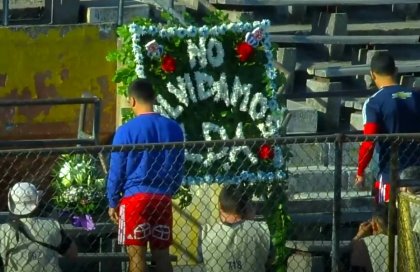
203, 210
54, 61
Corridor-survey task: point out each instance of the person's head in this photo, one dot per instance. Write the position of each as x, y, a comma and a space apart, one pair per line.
234, 201
413, 173
383, 69
380, 220
141, 96
23, 199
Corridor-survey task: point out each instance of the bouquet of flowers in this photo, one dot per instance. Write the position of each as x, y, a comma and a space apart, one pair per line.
79, 188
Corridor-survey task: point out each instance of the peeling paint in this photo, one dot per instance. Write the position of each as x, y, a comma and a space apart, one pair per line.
54, 61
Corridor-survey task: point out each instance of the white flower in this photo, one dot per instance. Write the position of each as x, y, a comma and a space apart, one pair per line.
265, 24
197, 52
231, 27
239, 27
258, 106
65, 170
153, 30
223, 28
197, 158
267, 44
269, 54
181, 32
256, 24
217, 59
192, 31
180, 92
133, 28
278, 160
220, 90
163, 105
190, 88
226, 166
140, 71
171, 31
214, 31
71, 194
239, 91
247, 27
203, 31
201, 80
163, 33
141, 31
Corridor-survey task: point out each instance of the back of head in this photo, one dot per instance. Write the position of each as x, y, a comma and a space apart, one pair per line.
412, 173
233, 199
142, 91
383, 64
380, 217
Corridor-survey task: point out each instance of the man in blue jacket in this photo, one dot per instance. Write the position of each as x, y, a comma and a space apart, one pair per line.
141, 183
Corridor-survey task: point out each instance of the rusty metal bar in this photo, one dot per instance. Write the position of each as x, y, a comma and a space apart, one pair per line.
48, 101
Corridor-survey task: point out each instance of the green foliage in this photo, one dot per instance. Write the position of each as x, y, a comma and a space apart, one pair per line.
216, 18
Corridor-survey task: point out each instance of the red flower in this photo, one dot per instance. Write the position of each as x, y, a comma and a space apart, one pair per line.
168, 64
266, 152
244, 51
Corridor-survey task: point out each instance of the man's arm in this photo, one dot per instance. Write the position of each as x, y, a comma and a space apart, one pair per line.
371, 117
116, 173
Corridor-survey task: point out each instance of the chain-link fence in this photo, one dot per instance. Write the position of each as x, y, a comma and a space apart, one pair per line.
229, 214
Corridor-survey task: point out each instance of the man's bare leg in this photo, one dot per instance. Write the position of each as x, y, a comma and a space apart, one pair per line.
162, 260
137, 255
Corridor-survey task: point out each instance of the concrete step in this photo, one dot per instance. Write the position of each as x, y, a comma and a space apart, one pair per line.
358, 202
304, 119
385, 28
317, 179
108, 14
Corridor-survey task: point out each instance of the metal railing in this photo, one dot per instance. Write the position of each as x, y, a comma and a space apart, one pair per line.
82, 137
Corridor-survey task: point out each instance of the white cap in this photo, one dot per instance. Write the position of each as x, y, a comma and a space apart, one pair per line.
23, 198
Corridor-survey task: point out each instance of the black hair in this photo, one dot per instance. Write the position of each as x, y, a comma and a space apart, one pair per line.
142, 90
383, 63
381, 214
234, 199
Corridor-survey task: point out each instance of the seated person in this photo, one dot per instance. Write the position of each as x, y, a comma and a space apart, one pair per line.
236, 243
370, 245
30, 243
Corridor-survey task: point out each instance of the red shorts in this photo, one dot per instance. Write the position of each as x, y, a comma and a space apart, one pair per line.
381, 192
145, 218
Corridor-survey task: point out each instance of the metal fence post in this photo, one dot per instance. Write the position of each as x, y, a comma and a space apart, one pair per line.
335, 239
392, 225
120, 12
5, 12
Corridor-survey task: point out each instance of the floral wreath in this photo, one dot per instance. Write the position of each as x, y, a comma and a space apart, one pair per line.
218, 81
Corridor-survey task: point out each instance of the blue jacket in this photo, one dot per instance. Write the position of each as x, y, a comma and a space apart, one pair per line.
146, 171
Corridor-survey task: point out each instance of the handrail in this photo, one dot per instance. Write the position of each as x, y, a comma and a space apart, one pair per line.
356, 40
94, 139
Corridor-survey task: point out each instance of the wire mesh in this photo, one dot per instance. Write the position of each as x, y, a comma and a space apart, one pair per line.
276, 220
